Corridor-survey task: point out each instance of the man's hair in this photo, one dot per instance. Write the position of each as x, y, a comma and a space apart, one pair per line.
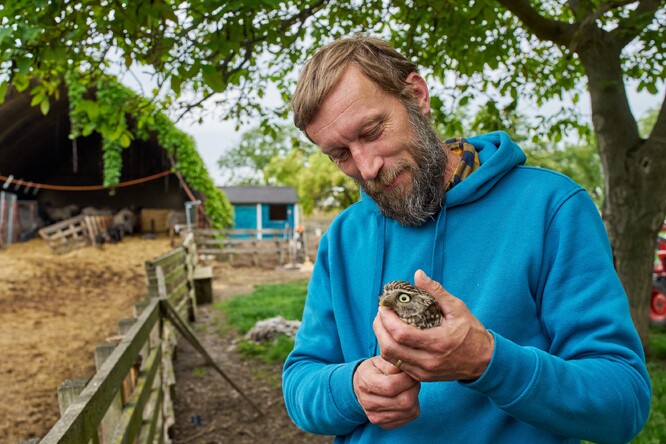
378, 60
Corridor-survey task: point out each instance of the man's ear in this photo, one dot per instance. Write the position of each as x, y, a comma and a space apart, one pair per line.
419, 89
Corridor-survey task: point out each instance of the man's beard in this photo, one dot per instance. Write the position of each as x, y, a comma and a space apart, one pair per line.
415, 207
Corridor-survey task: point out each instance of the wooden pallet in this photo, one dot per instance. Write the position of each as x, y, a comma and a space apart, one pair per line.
75, 232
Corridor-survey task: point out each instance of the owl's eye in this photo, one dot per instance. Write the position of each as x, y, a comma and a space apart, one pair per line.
404, 298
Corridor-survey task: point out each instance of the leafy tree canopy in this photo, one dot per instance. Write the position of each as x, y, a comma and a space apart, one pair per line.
515, 50
502, 51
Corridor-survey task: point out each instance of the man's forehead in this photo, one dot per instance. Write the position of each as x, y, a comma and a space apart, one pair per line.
352, 101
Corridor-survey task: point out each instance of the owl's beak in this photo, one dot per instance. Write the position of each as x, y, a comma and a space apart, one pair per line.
381, 303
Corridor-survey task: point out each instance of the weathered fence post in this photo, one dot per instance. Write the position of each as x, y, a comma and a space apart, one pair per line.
68, 391
129, 383
112, 416
203, 284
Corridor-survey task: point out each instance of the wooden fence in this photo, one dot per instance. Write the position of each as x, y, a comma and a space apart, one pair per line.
129, 399
232, 242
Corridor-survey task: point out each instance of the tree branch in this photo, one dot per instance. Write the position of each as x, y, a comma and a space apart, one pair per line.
191, 106
631, 27
588, 23
658, 134
604, 8
579, 8
551, 30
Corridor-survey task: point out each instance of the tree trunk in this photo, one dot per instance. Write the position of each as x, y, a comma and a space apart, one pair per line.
634, 256
634, 175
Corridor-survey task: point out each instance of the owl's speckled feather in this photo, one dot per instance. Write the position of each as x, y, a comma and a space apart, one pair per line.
411, 304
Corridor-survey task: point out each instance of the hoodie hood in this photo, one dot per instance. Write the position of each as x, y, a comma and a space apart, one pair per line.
498, 155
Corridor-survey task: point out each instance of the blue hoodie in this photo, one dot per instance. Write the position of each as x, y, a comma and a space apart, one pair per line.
526, 250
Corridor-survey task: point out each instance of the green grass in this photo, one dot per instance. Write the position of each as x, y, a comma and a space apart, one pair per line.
270, 352
266, 301
198, 372
287, 300
655, 429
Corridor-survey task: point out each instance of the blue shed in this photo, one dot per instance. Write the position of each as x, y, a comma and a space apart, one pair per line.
260, 207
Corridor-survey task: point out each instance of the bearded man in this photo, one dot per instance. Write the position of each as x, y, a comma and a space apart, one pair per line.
536, 344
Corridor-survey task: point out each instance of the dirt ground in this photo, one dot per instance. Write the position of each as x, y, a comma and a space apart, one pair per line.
208, 410
54, 310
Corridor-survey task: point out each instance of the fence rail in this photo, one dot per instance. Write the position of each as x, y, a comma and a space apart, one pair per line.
231, 242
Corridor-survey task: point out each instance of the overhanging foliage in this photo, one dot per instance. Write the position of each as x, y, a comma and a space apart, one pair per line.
108, 108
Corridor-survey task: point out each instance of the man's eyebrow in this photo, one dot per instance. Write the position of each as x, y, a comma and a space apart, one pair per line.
373, 120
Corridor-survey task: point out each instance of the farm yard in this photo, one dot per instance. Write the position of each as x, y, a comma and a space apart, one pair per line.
56, 309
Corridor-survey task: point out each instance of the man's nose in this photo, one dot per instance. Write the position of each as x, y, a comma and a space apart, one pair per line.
367, 163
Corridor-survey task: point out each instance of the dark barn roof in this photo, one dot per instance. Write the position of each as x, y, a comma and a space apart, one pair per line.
260, 194
31, 143
36, 148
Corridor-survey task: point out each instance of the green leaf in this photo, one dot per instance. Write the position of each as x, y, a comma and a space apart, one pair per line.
91, 108
213, 78
23, 65
436, 102
88, 129
21, 82
45, 105
125, 140
117, 132
37, 98
5, 32
3, 91
176, 83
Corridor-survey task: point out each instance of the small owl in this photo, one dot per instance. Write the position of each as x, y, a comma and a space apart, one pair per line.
412, 305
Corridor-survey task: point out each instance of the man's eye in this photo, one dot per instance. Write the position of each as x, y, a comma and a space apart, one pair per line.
339, 156
373, 133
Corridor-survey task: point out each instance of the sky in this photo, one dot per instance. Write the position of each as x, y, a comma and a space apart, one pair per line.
215, 137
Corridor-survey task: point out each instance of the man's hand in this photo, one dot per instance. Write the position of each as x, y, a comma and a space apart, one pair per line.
388, 396
459, 349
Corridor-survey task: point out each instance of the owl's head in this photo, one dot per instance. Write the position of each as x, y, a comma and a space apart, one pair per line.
405, 299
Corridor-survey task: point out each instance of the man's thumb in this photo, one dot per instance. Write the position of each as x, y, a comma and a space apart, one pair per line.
424, 282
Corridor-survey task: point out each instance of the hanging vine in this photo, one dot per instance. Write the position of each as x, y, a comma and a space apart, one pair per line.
106, 107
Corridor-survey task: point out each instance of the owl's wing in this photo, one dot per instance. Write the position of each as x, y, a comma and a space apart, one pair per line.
434, 313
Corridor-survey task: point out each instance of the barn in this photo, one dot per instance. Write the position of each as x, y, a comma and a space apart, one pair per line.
263, 207
47, 170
